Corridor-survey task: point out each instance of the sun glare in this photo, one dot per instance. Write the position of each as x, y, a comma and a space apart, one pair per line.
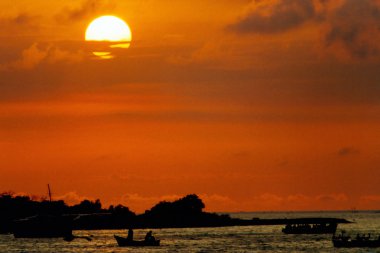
108, 28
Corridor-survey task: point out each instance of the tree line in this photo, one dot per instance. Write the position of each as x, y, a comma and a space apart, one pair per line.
184, 212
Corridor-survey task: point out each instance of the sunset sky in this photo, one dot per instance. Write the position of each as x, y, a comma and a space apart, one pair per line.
251, 104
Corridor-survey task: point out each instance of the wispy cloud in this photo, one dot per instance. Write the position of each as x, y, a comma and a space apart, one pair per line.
371, 198
86, 9
345, 151
274, 16
370, 201
22, 18
354, 28
20, 23
301, 201
140, 203
72, 198
348, 27
37, 54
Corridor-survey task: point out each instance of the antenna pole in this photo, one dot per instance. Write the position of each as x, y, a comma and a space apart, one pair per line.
49, 192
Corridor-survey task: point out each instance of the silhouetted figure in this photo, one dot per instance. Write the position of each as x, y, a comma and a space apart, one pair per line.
130, 235
149, 237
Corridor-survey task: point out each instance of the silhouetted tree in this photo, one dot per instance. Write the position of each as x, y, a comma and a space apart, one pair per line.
190, 204
184, 212
87, 206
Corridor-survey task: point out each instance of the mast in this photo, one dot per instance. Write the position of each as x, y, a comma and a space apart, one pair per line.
49, 192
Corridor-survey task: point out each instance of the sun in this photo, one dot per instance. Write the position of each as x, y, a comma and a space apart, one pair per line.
108, 28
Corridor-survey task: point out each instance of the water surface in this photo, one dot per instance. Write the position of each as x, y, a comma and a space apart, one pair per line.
223, 239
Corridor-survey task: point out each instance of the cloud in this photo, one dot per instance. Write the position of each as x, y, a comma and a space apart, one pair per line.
370, 198
353, 29
349, 28
22, 18
17, 24
37, 54
345, 151
218, 202
141, 203
88, 8
269, 201
332, 198
368, 202
30, 57
72, 198
274, 16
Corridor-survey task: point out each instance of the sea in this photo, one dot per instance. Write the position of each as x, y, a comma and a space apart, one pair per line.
203, 240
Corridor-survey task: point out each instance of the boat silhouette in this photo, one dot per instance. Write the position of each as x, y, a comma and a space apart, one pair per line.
43, 225
344, 241
124, 242
320, 228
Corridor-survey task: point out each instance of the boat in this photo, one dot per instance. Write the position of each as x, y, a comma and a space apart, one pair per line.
343, 241
124, 242
321, 228
42, 226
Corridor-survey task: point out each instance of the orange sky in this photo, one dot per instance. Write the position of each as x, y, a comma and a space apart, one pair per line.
252, 105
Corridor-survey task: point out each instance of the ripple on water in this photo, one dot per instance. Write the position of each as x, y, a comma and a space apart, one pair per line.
225, 239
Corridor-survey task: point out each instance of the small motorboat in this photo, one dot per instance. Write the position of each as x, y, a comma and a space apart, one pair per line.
343, 241
321, 228
124, 242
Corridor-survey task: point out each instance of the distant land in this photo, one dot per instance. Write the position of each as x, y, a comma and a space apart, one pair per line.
87, 215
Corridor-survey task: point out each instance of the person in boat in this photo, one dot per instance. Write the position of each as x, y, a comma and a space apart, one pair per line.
149, 237
342, 236
130, 234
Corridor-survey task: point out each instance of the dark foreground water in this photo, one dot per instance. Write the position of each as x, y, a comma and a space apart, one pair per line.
224, 239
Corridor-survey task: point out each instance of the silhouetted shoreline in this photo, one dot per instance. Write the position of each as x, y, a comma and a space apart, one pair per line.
89, 215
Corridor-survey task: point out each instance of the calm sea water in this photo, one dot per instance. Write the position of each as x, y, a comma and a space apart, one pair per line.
224, 239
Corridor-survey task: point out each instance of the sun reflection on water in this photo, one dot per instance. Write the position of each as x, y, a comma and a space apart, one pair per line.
103, 55
106, 50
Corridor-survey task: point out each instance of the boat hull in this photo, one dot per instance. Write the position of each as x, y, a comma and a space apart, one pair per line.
42, 226
327, 229
123, 242
356, 243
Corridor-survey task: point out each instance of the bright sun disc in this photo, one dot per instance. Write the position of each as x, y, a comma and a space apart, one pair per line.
108, 28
